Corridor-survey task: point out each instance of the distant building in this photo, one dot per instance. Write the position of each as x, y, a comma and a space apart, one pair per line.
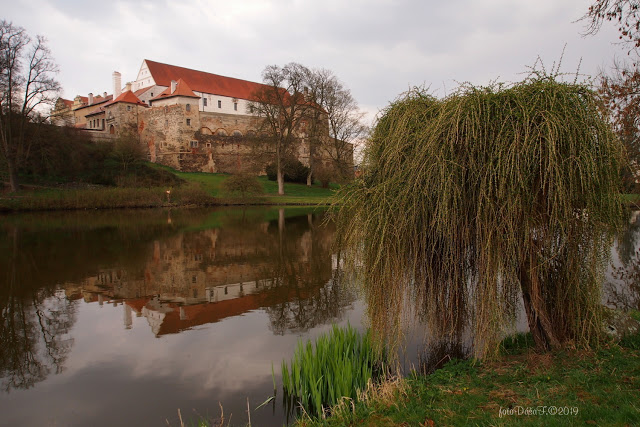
188, 119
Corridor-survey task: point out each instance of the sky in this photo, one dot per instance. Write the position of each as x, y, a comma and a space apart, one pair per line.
377, 48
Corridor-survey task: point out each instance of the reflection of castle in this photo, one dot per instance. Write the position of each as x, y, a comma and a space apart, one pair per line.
202, 277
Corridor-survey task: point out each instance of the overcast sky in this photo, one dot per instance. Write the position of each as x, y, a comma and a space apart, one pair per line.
378, 48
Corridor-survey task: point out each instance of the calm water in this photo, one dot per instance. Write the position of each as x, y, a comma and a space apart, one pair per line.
124, 317
121, 318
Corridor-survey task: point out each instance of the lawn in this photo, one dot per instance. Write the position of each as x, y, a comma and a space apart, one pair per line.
294, 193
522, 387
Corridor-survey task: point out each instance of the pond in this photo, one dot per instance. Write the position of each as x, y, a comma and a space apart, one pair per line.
126, 317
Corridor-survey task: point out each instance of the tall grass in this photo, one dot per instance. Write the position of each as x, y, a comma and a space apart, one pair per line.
491, 194
339, 365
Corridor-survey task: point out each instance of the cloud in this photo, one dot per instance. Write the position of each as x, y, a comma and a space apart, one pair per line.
378, 48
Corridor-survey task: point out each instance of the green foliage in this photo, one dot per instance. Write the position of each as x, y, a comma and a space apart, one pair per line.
293, 169
62, 154
242, 185
469, 202
340, 365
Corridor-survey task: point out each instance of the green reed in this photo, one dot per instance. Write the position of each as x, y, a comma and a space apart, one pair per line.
340, 364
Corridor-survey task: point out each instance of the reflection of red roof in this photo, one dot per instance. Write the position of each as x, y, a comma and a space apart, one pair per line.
203, 82
200, 314
137, 304
128, 97
182, 89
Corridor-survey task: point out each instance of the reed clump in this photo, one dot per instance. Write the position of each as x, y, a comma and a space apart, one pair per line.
341, 364
490, 194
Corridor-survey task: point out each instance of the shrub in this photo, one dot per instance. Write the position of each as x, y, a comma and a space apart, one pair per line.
294, 171
242, 185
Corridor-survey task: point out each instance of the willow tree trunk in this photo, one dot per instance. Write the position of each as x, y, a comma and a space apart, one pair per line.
537, 316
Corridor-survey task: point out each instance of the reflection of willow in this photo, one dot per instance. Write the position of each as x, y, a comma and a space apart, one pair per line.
35, 324
302, 269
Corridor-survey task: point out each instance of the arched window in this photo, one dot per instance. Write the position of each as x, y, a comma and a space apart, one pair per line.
237, 133
221, 132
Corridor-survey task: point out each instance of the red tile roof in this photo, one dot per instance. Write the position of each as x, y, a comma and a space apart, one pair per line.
202, 82
128, 97
67, 102
96, 100
182, 89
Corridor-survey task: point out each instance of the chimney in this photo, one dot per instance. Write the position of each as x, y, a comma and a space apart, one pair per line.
104, 95
128, 88
90, 99
117, 84
174, 84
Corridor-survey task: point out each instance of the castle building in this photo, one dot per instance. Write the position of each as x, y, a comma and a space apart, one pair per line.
190, 120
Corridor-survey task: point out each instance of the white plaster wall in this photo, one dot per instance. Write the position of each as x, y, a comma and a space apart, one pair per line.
226, 107
144, 78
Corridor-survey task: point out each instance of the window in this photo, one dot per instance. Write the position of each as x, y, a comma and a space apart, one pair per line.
194, 144
219, 104
103, 124
204, 102
188, 107
188, 122
128, 107
152, 94
235, 106
208, 145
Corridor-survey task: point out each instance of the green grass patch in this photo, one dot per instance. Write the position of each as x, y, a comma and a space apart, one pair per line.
560, 388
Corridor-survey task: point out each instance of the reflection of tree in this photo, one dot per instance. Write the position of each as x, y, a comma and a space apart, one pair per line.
628, 241
35, 325
302, 269
624, 291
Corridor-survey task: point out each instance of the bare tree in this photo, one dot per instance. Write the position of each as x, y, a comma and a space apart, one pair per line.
26, 84
624, 13
339, 114
620, 87
282, 106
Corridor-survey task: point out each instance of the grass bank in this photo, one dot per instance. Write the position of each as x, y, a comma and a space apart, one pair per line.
199, 189
599, 387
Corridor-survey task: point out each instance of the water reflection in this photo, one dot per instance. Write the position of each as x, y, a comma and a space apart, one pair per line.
165, 273
622, 290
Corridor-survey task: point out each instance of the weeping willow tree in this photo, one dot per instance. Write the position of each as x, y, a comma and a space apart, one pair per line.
492, 195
